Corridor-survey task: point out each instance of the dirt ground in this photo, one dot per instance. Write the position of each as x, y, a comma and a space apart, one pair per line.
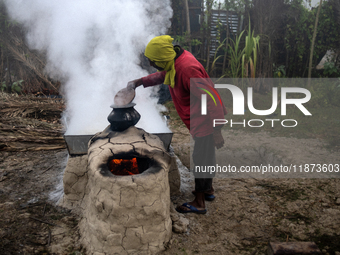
245, 216
249, 212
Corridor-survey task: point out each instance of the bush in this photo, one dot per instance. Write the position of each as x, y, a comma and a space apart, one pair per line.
326, 94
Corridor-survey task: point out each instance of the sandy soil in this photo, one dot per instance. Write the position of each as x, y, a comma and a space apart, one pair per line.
245, 216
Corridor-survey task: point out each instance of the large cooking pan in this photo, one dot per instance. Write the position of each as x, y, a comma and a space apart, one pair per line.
77, 144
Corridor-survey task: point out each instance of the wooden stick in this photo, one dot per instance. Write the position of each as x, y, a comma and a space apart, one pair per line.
46, 222
12, 148
24, 206
45, 140
49, 237
45, 172
30, 129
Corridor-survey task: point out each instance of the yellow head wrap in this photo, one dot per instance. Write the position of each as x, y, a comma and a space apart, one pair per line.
161, 51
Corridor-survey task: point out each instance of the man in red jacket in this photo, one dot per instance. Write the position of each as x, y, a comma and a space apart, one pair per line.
176, 68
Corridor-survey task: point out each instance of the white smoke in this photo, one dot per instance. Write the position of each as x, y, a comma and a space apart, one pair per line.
95, 45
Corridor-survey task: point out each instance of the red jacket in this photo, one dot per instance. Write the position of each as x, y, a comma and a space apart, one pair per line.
187, 96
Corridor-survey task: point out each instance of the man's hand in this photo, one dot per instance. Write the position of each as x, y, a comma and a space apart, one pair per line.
218, 138
134, 84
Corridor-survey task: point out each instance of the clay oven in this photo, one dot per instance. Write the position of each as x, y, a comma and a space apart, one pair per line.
122, 213
127, 214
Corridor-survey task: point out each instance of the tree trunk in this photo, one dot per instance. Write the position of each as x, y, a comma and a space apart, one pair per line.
226, 45
209, 7
187, 19
313, 42
203, 32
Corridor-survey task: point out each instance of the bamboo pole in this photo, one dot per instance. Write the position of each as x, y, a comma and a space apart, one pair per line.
187, 19
313, 43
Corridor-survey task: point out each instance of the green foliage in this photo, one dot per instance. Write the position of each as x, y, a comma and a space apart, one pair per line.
298, 36
331, 70
195, 42
17, 86
279, 72
249, 57
215, 55
236, 56
3, 86
241, 60
326, 95
185, 41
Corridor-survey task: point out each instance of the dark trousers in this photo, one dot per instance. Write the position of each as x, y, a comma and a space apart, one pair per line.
203, 156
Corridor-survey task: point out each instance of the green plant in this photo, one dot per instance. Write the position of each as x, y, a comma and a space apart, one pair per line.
236, 56
215, 55
279, 72
185, 41
298, 33
3, 86
17, 86
325, 94
249, 57
195, 42
330, 69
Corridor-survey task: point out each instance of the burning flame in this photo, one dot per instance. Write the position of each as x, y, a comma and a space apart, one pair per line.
124, 166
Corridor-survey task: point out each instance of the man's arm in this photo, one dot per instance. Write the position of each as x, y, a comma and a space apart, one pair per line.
148, 81
134, 84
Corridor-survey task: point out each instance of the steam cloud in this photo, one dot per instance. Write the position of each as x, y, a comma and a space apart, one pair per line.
95, 45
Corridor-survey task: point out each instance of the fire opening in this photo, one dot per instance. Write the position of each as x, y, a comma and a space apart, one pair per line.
124, 166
